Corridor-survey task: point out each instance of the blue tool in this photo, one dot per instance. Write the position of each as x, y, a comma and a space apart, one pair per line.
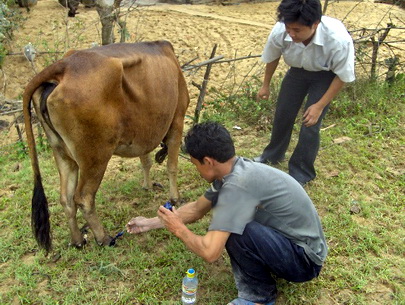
112, 242
168, 206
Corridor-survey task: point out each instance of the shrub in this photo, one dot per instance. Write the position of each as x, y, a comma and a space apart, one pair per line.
9, 19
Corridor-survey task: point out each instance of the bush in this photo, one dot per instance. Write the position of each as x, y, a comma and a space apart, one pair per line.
242, 107
9, 19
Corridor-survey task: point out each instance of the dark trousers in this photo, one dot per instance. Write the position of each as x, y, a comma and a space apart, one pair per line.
262, 252
296, 85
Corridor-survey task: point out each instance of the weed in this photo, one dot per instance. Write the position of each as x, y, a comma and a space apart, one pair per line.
242, 107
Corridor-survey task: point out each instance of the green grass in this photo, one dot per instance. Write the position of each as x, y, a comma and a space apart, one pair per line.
366, 260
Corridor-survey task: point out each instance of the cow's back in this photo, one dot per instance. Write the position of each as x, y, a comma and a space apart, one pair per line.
124, 94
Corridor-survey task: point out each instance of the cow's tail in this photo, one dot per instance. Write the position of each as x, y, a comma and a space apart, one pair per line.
39, 207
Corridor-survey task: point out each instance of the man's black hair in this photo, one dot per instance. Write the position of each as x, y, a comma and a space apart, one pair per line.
209, 139
305, 12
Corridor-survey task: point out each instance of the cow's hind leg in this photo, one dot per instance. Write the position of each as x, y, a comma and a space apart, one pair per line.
90, 178
68, 173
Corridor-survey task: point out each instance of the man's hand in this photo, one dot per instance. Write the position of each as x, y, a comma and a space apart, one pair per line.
209, 246
263, 93
170, 219
311, 115
142, 224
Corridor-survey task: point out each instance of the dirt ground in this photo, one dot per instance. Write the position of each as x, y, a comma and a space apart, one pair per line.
238, 30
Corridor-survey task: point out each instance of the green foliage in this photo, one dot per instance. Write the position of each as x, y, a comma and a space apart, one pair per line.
42, 141
6, 21
364, 96
9, 23
242, 107
20, 149
9, 20
3, 53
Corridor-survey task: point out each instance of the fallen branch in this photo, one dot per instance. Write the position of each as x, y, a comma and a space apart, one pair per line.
328, 127
189, 62
239, 58
215, 60
10, 112
204, 63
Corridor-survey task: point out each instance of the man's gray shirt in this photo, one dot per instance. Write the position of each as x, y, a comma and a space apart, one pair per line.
255, 191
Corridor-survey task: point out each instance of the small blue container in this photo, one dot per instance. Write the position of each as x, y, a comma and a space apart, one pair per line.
168, 206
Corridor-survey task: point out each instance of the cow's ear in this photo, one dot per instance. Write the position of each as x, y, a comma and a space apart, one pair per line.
69, 53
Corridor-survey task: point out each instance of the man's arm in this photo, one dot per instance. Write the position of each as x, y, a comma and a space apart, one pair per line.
264, 91
313, 112
188, 213
209, 246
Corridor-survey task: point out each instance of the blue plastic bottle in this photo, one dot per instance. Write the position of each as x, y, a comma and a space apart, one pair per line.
189, 288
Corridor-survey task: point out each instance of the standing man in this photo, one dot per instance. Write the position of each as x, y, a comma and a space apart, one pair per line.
320, 53
261, 215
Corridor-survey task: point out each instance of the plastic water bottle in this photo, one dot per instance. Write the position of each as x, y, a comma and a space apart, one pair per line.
190, 283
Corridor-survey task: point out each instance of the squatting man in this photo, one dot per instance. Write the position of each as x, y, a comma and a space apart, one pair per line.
261, 216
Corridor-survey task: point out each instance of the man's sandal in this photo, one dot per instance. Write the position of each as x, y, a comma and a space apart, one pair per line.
240, 301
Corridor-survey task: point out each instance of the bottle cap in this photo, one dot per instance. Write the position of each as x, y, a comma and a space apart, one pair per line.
190, 273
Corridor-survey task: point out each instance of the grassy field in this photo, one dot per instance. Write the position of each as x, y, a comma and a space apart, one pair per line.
359, 194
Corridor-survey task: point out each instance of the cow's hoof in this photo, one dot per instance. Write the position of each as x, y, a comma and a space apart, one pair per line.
175, 202
105, 242
157, 185
78, 245
113, 242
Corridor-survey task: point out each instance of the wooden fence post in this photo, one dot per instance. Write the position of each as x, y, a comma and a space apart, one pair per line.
376, 46
203, 88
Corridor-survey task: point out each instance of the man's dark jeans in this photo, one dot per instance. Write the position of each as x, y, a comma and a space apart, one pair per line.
296, 85
261, 253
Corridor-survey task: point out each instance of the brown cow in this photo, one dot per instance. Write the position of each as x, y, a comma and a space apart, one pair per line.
122, 99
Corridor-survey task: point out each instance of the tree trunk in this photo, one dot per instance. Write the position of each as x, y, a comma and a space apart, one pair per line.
107, 17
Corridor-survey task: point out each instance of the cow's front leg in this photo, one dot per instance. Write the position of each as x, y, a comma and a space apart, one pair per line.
173, 142
146, 166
